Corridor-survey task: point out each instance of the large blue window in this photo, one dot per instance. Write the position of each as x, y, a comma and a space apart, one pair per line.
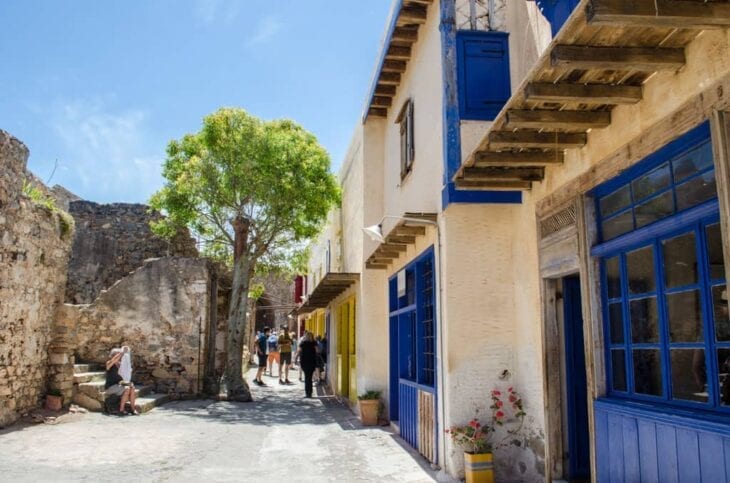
665, 304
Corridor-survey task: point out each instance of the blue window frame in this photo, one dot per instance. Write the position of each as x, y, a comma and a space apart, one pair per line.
664, 291
482, 73
557, 12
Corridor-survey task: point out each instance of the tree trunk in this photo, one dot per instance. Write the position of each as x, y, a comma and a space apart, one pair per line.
237, 388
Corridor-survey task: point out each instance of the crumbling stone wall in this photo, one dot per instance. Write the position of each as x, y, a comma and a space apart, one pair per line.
162, 311
110, 242
34, 247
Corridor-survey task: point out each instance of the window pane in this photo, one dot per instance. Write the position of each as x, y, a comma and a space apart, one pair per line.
689, 374
714, 252
613, 278
696, 190
655, 209
720, 311
644, 321
680, 261
615, 202
640, 267
723, 363
685, 316
616, 321
618, 369
618, 225
652, 182
647, 372
692, 162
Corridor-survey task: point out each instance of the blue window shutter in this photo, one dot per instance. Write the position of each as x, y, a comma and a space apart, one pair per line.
483, 74
557, 12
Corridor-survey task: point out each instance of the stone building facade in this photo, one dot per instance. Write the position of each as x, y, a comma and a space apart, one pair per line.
34, 247
111, 241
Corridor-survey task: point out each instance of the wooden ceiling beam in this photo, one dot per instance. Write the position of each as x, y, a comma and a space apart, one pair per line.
412, 15
376, 266
643, 59
679, 14
384, 90
390, 65
485, 159
378, 112
408, 240
409, 230
534, 139
504, 174
398, 52
405, 34
583, 93
382, 101
541, 119
389, 78
494, 185
395, 247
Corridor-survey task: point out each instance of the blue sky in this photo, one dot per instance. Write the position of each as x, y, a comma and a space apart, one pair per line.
102, 87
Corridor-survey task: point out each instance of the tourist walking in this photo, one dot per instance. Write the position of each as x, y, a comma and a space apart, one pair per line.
261, 354
285, 348
307, 355
273, 353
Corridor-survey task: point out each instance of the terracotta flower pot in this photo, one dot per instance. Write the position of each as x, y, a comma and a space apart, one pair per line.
369, 411
54, 403
478, 468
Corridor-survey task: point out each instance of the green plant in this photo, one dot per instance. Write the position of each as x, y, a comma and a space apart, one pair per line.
369, 395
38, 197
472, 437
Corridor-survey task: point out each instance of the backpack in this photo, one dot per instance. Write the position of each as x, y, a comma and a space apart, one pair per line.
273, 343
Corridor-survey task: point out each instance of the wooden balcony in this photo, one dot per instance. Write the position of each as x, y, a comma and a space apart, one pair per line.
398, 239
601, 58
329, 288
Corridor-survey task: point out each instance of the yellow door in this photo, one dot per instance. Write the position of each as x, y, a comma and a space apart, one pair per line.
352, 350
343, 360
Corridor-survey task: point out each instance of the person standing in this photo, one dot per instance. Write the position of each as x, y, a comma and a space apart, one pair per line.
307, 355
285, 346
273, 346
261, 354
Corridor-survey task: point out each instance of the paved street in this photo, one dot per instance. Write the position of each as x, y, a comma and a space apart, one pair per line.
280, 437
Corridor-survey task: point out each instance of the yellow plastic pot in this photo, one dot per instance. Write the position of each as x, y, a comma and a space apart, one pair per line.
478, 468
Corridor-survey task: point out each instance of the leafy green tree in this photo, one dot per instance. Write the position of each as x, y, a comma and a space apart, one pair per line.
251, 188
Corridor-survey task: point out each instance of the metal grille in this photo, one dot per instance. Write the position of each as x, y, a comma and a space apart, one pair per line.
428, 332
557, 222
472, 14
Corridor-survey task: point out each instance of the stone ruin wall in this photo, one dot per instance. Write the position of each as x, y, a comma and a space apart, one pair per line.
162, 311
111, 241
34, 250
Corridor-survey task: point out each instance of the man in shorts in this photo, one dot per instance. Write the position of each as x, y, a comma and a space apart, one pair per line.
285, 347
261, 354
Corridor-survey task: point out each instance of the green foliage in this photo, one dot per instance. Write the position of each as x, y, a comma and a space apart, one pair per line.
38, 197
272, 173
54, 392
369, 395
256, 290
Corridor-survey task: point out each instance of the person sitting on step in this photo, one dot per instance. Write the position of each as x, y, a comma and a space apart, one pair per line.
118, 379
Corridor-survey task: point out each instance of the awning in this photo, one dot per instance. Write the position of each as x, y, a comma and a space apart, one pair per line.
329, 288
397, 240
601, 58
406, 17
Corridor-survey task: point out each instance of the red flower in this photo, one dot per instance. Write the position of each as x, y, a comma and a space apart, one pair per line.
496, 393
499, 404
499, 414
509, 389
512, 398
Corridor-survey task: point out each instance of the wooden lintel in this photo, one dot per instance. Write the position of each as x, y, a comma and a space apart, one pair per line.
405, 34
383, 90
409, 230
412, 15
398, 52
643, 59
500, 174
378, 112
382, 101
394, 247
541, 119
485, 159
584, 93
386, 254
680, 14
494, 185
390, 65
376, 266
380, 261
534, 139
409, 240
389, 78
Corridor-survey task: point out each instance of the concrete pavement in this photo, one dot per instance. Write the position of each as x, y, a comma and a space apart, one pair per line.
279, 437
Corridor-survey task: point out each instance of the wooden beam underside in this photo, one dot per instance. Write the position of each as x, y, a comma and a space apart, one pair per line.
485, 159
660, 13
401, 236
617, 58
504, 174
583, 93
541, 119
534, 139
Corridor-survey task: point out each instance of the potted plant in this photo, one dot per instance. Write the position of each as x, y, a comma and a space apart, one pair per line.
369, 407
476, 439
54, 400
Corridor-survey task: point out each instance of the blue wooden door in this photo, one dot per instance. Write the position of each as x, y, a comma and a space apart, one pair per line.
577, 388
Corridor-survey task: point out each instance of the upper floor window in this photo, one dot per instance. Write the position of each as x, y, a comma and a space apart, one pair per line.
557, 12
407, 144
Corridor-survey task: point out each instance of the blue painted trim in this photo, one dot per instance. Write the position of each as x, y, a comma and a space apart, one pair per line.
696, 420
450, 194
416, 385
451, 127
403, 310
394, 14
556, 12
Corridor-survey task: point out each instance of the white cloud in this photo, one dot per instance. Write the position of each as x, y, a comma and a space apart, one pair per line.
265, 30
106, 154
211, 11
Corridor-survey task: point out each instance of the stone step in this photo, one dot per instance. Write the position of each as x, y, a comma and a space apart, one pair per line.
95, 390
81, 368
148, 403
81, 377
